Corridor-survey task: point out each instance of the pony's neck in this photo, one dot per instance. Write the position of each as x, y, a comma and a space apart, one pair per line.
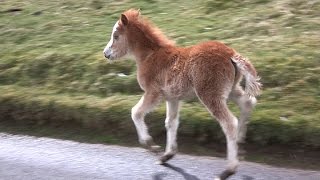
145, 39
141, 51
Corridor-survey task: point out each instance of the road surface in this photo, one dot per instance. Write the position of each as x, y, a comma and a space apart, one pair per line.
32, 158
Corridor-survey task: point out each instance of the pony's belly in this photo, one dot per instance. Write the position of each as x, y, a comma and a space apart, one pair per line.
176, 92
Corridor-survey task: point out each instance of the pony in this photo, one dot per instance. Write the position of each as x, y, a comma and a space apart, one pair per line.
210, 70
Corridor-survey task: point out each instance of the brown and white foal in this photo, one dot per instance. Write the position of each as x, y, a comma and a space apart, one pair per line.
210, 70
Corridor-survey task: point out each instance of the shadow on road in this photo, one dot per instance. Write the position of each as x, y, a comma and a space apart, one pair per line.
186, 175
159, 176
246, 177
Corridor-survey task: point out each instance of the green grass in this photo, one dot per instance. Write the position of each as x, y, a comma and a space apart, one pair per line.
56, 46
41, 106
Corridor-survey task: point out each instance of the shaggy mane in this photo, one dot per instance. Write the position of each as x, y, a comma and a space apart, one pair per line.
151, 32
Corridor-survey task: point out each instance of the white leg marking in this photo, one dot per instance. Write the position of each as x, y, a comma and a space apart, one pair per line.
232, 146
172, 124
246, 104
230, 131
138, 113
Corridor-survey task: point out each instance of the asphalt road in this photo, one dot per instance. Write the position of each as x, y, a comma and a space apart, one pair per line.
26, 158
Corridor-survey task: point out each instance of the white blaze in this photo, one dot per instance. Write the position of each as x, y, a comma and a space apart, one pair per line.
107, 49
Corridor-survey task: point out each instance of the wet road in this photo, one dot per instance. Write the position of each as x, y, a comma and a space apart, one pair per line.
28, 158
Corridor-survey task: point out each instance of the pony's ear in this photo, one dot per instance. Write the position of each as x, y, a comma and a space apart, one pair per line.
124, 19
139, 12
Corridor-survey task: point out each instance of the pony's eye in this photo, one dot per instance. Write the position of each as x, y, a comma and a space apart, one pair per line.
116, 37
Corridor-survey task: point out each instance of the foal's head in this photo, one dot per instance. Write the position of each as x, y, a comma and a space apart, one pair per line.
118, 45
133, 33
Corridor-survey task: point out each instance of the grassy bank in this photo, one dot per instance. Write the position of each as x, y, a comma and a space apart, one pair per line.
38, 106
52, 71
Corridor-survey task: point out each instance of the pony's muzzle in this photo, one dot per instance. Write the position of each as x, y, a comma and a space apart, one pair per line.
107, 52
107, 55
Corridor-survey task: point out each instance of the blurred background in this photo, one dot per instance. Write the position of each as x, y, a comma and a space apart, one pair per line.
54, 80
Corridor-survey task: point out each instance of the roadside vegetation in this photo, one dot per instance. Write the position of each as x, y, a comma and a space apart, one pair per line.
52, 70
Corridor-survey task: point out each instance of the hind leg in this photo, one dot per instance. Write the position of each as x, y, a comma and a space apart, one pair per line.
138, 112
218, 107
213, 81
246, 104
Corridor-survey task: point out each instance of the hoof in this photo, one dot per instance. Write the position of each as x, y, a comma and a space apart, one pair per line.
165, 158
155, 148
225, 174
159, 162
151, 146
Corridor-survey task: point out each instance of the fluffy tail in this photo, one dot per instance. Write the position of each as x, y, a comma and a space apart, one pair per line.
253, 86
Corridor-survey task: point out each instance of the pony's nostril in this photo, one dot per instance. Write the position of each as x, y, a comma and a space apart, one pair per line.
107, 55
